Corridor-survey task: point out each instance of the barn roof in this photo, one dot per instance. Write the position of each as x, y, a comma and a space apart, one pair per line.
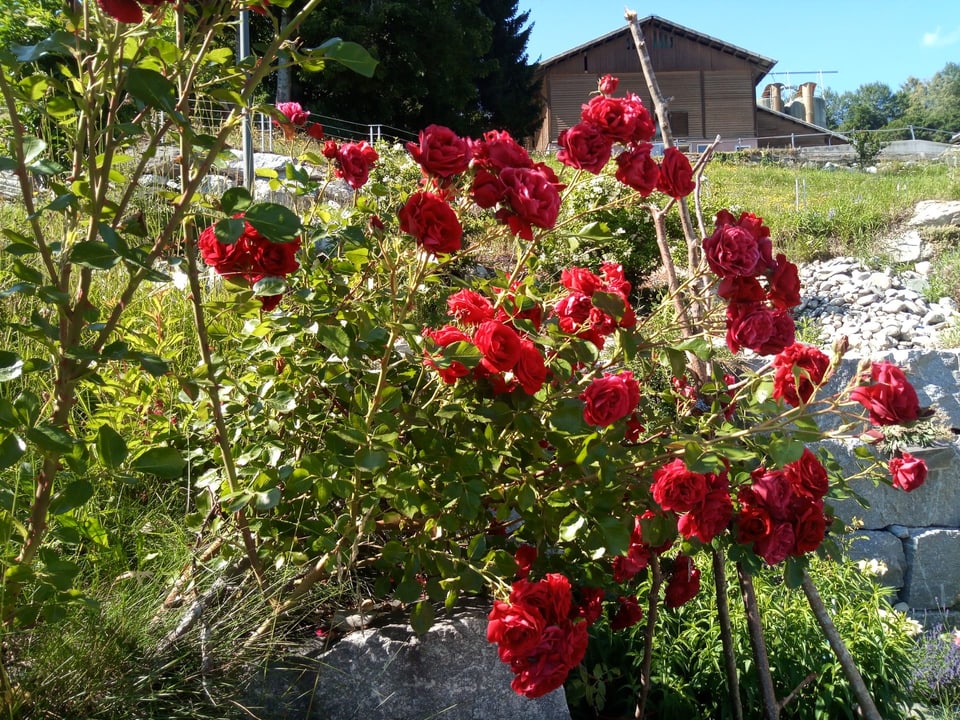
764, 64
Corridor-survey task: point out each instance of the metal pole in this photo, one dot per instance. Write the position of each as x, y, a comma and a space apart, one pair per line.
243, 51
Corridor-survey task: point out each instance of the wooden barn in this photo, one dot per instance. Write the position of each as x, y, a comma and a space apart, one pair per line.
712, 86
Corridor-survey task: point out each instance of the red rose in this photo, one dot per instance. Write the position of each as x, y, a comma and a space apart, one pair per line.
908, 472
584, 146
753, 523
354, 161
552, 597
500, 345
548, 665
525, 556
676, 488
294, 113
807, 476
620, 119
515, 627
441, 151
779, 543
683, 583
798, 371
739, 246
445, 337
607, 85
533, 199
638, 170
754, 326
637, 557
610, 398
315, 130
591, 604
577, 279
676, 174
497, 150
891, 398
273, 259
771, 490
470, 307
809, 525
711, 516
573, 311
784, 284
741, 289
628, 614
487, 190
614, 280
330, 149
227, 260
432, 222
530, 370
126, 11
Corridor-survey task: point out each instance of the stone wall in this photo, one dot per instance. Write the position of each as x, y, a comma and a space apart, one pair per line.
916, 535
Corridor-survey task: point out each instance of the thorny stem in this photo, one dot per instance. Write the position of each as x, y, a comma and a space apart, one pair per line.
771, 708
726, 632
653, 606
867, 707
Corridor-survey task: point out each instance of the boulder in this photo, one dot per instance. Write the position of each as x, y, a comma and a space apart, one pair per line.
933, 580
935, 213
389, 673
884, 547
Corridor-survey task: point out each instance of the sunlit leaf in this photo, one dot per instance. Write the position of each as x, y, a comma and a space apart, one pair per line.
164, 462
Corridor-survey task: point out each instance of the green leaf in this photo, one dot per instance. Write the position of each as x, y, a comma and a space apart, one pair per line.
59, 43
218, 56
335, 339
275, 222
616, 534
164, 462
72, 496
11, 366
568, 417
111, 447
234, 200
32, 149
12, 448
266, 499
60, 107
571, 525
784, 450
421, 617
610, 303
50, 439
350, 55
152, 89
228, 231
594, 231
94, 255
370, 460
793, 571
269, 286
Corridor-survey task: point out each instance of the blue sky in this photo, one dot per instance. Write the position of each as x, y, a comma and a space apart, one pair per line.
879, 41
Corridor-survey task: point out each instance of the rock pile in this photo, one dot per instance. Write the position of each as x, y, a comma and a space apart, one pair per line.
876, 310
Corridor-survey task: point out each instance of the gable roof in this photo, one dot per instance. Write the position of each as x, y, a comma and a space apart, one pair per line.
803, 124
764, 64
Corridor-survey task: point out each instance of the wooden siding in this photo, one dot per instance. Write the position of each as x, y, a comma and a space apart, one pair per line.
729, 103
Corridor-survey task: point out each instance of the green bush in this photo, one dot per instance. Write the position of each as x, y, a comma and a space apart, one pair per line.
688, 673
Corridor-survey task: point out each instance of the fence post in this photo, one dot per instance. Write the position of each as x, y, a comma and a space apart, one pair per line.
793, 144
912, 136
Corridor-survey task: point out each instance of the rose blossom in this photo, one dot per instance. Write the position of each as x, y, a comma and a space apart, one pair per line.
614, 279
754, 326
500, 345
607, 85
441, 151
784, 284
227, 260
807, 476
771, 489
628, 614
273, 259
638, 170
487, 190
444, 337
908, 472
676, 174
610, 398
683, 583
470, 307
591, 604
584, 146
294, 113
711, 516
577, 279
530, 370
432, 222
778, 544
525, 556
533, 200
809, 525
891, 398
354, 161
315, 131
551, 596
620, 119
560, 649
798, 370
676, 488
739, 246
497, 150
637, 557
753, 522
515, 627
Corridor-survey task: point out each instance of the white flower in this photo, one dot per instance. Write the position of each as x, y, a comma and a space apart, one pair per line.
873, 567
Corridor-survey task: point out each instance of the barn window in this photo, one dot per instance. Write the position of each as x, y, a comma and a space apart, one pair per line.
680, 123
585, 68
662, 39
